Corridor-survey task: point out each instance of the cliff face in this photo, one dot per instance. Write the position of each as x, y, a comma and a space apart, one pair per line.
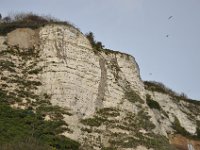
76, 76
101, 90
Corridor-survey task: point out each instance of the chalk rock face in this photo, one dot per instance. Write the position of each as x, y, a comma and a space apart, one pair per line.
23, 38
182, 110
78, 78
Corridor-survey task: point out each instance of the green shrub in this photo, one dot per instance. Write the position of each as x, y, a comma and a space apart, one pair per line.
25, 83
86, 130
96, 45
132, 96
96, 121
35, 71
4, 64
17, 124
108, 112
54, 111
157, 142
142, 120
198, 129
5, 97
29, 143
179, 129
151, 103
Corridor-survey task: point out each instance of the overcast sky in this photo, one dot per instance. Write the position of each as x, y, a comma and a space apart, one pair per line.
167, 50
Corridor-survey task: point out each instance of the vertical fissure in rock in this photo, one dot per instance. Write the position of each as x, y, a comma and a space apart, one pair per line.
118, 74
121, 79
115, 68
61, 49
102, 83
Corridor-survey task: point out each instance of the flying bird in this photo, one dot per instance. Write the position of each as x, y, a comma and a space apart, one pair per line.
167, 35
170, 17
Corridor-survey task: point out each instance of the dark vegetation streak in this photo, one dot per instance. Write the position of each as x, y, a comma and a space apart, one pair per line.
151, 103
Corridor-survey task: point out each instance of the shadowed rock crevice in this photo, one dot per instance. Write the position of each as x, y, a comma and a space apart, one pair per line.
102, 83
115, 68
129, 93
61, 48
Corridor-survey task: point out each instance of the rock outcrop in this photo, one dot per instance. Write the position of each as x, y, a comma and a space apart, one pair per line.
23, 38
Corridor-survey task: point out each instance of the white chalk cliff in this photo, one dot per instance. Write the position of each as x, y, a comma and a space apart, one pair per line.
102, 91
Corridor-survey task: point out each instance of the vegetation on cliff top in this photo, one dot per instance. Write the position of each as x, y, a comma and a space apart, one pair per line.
161, 88
28, 20
34, 21
98, 46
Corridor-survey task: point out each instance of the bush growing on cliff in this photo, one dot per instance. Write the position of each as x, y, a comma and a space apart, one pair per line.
132, 96
151, 103
198, 129
7, 65
96, 45
95, 121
